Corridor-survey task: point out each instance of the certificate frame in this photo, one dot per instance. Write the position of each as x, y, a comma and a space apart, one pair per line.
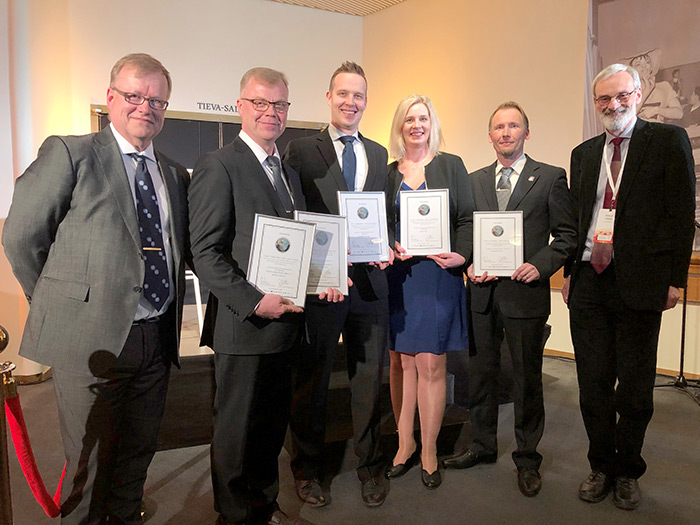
498, 242
368, 237
425, 221
329, 257
280, 256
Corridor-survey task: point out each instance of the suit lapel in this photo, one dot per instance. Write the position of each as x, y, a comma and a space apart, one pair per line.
590, 172
170, 179
526, 180
114, 172
487, 183
254, 169
373, 168
325, 146
638, 145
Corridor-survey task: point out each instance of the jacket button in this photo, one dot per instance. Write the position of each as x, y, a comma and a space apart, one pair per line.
138, 289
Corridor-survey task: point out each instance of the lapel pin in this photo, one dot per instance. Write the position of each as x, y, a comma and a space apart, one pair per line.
532, 177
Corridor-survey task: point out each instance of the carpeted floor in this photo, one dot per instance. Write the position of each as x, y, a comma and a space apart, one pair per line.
178, 491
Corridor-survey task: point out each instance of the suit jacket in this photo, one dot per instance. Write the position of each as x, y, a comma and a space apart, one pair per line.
654, 229
543, 196
229, 186
445, 171
72, 238
315, 160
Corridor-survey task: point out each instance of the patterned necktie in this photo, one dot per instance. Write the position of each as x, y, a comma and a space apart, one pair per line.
503, 188
155, 280
349, 161
602, 252
280, 188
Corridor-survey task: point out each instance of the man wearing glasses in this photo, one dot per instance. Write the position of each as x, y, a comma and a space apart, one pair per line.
253, 334
633, 191
96, 236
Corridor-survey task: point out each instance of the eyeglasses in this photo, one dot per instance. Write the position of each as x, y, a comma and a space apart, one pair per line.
621, 98
137, 100
260, 104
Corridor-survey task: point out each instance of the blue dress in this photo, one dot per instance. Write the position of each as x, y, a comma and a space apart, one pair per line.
427, 305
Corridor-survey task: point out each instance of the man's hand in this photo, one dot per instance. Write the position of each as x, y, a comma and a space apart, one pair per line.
273, 306
525, 273
565, 289
382, 265
672, 299
448, 260
332, 295
485, 278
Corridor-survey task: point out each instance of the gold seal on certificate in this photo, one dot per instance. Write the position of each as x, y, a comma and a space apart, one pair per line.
425, 221
498, 242
329, 258
280, 256
368, 239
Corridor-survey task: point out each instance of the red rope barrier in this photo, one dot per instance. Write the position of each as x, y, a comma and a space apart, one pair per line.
20, 438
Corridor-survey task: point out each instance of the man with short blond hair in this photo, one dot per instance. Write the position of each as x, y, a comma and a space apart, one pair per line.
97, 237
253, 334
363, 319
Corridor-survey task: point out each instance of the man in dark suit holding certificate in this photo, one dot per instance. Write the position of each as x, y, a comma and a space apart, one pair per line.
633, 191
515, 307
253, 334
97, 237
341, 159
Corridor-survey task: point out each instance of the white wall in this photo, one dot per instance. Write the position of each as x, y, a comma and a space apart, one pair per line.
61, 53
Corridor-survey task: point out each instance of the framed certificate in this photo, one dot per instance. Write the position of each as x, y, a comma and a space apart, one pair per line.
425, 222
329, 257
368, 239
280, 256
498, 242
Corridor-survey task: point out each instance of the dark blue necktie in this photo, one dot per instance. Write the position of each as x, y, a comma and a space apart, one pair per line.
349, 161
155, 280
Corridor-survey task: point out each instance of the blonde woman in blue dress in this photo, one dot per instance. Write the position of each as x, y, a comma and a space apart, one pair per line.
427, 298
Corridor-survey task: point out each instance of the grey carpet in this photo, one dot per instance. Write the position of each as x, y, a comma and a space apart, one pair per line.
179, 491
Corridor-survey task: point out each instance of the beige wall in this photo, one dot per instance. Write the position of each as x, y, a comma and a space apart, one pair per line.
469, 56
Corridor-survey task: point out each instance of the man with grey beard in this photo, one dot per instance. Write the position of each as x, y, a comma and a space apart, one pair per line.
633, 191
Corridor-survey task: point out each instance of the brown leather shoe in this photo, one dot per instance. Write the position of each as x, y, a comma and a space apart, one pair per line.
595, 487
310, 492
374, 491
529, 481
626, 493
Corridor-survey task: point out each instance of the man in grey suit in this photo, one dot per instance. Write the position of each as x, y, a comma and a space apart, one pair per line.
515, 307
96, 236
253, 333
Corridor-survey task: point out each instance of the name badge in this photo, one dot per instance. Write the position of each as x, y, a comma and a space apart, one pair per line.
604, 226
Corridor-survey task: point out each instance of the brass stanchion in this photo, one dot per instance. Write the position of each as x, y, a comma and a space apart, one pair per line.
8, 389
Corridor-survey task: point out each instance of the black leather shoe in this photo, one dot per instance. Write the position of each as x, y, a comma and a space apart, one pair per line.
595, 487
529, 481
396, 471
468, 459
373, 491
280, 518
310, 492
431, 481
626, 494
